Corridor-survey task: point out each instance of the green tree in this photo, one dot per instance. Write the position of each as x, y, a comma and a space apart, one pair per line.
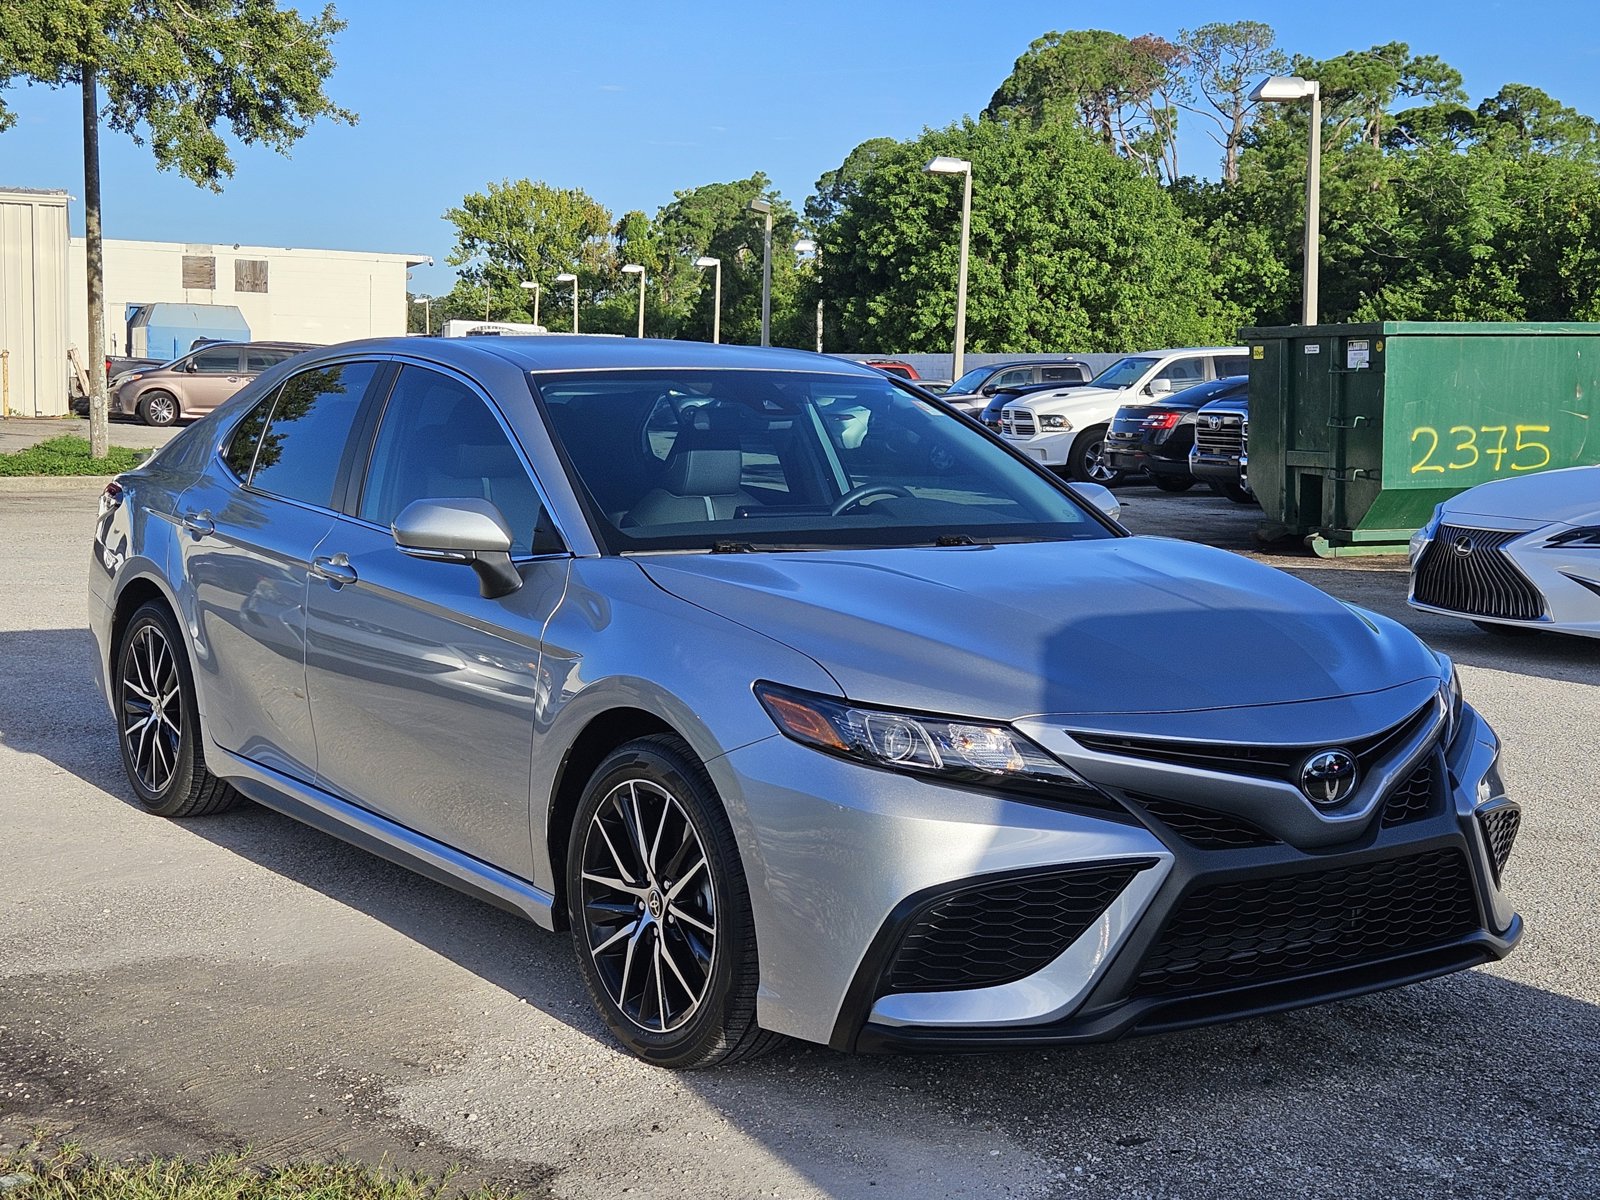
520, 230
1073, 248
173, 72
1120, 89
1224, 61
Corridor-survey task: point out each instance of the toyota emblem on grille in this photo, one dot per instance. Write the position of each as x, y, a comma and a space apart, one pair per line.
1214, 422
1463, 545
1328, 777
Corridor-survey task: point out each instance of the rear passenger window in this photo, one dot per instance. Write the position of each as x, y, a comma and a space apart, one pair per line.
246, 437
257, 361
306, 434
1070, 374
439, 441
1233, 365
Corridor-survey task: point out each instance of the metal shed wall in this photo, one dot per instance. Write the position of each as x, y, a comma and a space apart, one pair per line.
33, 302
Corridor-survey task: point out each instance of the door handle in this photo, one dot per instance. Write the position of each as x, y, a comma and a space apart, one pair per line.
336, 570
199, 524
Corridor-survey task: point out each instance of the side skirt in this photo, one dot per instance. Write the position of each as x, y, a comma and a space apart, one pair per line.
383, 837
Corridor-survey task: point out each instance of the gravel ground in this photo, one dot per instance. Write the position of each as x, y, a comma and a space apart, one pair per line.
244, 981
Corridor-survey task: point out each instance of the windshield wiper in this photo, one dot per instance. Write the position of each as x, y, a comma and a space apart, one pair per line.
955, 539
732, 548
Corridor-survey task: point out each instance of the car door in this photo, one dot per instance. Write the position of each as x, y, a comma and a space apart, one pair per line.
252, 525
423, 691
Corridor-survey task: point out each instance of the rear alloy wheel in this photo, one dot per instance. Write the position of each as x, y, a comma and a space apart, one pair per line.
1173, 483
158, 408
660, 911
1088, 463
158, 722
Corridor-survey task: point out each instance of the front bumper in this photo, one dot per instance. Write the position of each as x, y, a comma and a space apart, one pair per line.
856, 872
1051, 449
1512, 577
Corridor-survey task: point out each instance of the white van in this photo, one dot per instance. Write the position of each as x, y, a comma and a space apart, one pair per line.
1066, 430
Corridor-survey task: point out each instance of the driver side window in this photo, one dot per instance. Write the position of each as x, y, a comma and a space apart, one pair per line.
439, 441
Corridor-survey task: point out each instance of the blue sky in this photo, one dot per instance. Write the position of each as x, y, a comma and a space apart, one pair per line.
632, 101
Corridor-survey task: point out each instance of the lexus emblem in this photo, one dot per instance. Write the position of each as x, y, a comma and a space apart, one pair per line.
1463, 546
1328, 776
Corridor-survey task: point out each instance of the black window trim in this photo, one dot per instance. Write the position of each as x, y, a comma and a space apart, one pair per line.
370, 423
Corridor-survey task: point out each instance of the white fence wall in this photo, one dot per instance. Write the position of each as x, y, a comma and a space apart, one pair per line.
33, 302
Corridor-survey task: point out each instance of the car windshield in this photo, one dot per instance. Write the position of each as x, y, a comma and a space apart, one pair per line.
972, 380
746, 460
1122, 373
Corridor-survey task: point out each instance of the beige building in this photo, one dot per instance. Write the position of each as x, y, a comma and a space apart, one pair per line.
284, 294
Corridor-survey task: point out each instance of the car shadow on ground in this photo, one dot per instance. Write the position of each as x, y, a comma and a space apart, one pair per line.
1470, 1085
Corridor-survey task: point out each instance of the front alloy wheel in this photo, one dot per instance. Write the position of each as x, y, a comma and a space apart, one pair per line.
1089, 463
660, 911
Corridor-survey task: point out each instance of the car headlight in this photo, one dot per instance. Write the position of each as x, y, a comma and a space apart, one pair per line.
1586, 536
1421, 538
1054, 422
960, 751
1450, 697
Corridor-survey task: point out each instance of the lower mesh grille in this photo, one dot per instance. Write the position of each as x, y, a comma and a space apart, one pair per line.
1204, 828
1465, 571
1412, 799
1261, 930
1500, 827
1001, 932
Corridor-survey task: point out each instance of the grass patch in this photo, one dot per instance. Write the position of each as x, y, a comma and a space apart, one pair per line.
66, 1173
69, 455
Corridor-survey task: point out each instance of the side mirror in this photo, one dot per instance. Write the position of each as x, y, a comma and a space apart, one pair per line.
1101, 497
1159, 387
191, 366
461, 531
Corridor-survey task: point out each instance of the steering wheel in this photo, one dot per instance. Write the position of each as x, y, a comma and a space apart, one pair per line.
865, 492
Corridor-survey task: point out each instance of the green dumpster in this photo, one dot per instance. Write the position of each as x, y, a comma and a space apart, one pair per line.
1357, 431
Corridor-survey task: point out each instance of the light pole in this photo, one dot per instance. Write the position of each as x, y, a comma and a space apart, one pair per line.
1286, 89
533, 286
569, 277
637, 269
764, 207
959, 166
809, 246
716, 294
427, 314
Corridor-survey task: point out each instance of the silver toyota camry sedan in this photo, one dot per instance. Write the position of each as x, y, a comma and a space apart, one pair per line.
808, 707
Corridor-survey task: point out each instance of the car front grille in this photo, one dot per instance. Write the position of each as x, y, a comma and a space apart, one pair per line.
1018, 422
1270, 762
1499, 826
1412, 798
1252, 931
1000, 932
1225, 437
1467, 571
1204, 828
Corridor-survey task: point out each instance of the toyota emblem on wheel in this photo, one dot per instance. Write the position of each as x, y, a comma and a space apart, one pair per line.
1328, 777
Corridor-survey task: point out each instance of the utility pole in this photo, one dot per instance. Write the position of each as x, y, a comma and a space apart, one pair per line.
94, 261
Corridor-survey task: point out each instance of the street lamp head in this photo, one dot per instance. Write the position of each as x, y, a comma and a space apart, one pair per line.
805, 246
566, 277
632, 269
1284, 89
944, 165
758, 205
707, 261
531, 284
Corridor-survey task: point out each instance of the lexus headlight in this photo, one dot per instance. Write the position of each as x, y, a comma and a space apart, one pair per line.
1054, 422
961, 751
1421, 538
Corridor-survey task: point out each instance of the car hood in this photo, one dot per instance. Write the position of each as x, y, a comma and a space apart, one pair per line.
1075, 395
1570, 496
1126, 625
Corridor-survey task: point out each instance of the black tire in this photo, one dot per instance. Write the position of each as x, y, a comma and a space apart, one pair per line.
1087, 464
1173, 483
158, 408
703, 1013
163, 758
1506, 631
1238, 494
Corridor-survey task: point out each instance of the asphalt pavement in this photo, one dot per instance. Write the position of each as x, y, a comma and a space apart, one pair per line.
243, 981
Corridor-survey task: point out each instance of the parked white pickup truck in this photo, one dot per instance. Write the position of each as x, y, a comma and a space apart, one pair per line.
1065, 430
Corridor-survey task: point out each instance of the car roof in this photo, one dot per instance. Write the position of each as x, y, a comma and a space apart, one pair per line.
567, 352
1188, 350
